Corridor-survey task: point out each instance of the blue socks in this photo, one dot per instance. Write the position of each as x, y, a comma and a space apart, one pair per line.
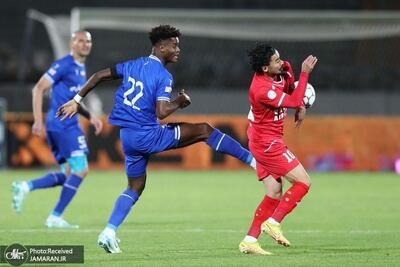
122, 207
49, 180
225, 144
68, 191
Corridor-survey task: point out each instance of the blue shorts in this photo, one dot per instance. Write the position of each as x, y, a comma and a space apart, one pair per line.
65, 145
138, 145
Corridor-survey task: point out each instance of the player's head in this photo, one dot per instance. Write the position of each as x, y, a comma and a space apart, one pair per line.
165, 41
81, 43
264, 59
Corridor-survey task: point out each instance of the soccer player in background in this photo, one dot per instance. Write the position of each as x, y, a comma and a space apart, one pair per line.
270, 95
143, 98
65, 138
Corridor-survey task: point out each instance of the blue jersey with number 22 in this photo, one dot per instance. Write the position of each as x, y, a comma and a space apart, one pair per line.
144, 81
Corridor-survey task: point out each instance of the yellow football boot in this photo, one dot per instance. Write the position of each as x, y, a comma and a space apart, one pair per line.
275, 232
252, 248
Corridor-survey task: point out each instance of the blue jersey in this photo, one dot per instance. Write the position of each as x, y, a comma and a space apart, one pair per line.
144, 81
67, 77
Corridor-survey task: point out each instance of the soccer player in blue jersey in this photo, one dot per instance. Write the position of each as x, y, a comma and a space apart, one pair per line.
65, 77
143, 98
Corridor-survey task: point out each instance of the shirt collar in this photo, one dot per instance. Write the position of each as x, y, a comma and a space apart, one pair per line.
155, 58
76, 62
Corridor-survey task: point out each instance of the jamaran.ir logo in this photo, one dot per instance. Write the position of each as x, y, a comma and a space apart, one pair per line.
16, 254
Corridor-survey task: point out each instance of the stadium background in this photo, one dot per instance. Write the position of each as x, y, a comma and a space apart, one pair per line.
353, 125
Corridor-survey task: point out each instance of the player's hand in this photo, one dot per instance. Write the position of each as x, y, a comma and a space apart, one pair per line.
97, 124
299, 116
37, 128
186, 99
287, 72
67, 110
308, 64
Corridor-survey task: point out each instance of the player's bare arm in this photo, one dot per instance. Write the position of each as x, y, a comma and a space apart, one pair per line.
299, 116
70, 108
37, 103
96, 122
165, 108
295, 100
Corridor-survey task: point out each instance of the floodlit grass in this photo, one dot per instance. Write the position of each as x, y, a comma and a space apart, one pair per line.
199, 218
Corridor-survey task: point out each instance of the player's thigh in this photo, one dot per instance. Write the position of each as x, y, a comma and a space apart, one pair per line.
51, 138
298, 174
191, 133
136, 164
273, 159
150, 141
70, 143
273, 186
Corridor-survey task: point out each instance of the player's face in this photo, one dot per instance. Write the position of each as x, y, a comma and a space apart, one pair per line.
275, 65
81, 44
170, 50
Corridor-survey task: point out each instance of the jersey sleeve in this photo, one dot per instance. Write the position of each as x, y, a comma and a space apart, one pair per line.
120, 69
277, 98
164, 88
55, 72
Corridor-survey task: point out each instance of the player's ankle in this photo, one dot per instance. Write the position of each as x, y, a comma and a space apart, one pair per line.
273, 221
250, 239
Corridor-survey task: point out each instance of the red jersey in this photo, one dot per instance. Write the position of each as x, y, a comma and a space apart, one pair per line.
266, 114
268, 103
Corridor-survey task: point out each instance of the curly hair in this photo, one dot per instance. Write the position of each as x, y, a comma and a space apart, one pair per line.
260, 56
163, 32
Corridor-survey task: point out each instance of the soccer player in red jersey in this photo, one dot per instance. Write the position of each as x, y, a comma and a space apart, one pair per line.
271, 93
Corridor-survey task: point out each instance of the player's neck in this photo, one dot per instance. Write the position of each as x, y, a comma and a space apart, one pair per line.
154, 54
78, 58
270, 76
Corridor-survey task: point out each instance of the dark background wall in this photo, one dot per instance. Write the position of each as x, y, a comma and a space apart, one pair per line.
212, 66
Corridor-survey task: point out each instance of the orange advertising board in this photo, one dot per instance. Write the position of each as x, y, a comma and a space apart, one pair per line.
324, 143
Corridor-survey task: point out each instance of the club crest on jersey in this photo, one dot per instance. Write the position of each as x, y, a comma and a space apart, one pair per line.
271, 94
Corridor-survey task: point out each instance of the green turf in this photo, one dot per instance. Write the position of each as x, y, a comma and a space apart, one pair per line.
199, 218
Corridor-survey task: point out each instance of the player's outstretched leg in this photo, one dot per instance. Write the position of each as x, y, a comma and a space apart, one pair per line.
107, 238
21, 189
191, 133
226, 144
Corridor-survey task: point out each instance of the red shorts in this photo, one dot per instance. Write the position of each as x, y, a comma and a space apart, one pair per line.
273, 158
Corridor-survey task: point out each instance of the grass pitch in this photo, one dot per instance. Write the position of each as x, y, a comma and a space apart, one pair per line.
199, 218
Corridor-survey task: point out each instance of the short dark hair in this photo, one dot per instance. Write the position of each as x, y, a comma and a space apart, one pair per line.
163, 32
260, 56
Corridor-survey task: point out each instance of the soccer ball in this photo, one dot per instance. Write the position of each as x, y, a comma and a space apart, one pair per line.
309, 95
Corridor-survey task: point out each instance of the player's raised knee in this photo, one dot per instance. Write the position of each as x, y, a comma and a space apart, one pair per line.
79, 165
206, 128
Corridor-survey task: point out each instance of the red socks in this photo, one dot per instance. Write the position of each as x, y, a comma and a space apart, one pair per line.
289, 200
263, 212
